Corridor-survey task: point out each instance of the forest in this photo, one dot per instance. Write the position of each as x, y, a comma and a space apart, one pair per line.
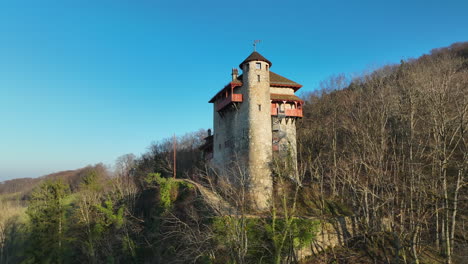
381, 156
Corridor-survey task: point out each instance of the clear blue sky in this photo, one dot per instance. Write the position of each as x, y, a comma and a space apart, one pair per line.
84, 81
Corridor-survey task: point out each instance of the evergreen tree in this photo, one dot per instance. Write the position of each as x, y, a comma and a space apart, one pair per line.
46, 213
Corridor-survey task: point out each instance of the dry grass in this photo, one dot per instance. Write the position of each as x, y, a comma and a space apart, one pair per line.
11, 209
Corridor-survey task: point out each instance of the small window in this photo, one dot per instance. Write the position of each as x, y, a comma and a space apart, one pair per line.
258, 65
266, 67
246, 67
258, 77
259, 107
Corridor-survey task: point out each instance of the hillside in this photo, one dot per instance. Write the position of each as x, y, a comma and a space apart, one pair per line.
23, 186
392, 146
383, 161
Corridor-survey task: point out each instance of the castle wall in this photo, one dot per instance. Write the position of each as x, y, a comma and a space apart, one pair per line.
230, 141
288, 145
284, 136
277, 90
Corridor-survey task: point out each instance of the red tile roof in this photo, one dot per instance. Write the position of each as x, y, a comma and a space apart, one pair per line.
284, 97
276, 80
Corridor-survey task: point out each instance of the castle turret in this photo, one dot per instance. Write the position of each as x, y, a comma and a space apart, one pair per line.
256, 81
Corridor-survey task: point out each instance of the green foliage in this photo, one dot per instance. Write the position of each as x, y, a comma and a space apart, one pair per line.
129, 246
165, 186
90, 181
168, 188
261, 234
304, 231
111, 216
47, 223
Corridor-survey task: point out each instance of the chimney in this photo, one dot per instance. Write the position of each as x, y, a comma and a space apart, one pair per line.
234, 74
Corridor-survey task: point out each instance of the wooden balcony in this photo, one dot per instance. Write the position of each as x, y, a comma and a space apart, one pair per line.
274, 110
233, 98
294, 112
287, 113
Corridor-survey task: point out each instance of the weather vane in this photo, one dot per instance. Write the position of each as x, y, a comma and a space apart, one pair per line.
255, 44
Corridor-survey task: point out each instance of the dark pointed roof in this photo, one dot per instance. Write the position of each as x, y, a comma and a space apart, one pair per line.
255, 56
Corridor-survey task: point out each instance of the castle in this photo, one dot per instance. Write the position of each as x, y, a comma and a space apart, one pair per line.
254, 119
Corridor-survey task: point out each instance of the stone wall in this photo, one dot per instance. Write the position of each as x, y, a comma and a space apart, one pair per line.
331, 233
285, 133
278, 90
230, 142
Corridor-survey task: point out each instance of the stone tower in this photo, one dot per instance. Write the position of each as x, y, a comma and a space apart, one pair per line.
256, 80
254, 120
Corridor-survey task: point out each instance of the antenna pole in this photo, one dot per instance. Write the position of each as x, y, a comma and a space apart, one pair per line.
174, 143
255, 44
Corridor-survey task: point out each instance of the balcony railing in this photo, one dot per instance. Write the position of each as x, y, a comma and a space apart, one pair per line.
233, 98
287, 112
274, 111
294, 112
